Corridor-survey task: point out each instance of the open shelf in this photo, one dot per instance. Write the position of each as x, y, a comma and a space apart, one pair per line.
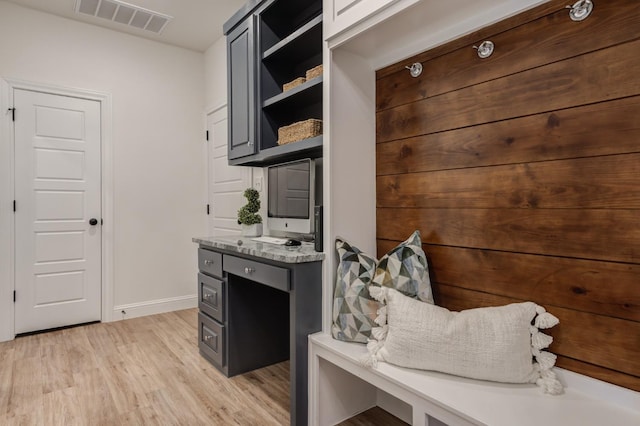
282, 18
306, 148
308, 92
296, 46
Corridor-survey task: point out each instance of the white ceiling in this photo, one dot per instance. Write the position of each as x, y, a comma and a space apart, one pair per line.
196, 24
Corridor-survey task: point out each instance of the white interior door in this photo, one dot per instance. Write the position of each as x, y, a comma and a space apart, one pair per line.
226, 183
57, 186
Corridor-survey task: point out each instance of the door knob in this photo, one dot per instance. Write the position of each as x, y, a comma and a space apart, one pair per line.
93, 221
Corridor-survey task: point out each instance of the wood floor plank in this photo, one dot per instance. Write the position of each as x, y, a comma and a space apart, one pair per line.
56, 369
26, 386
6, 375
94, 398
127, 393
61, 407
146, 376
79, 350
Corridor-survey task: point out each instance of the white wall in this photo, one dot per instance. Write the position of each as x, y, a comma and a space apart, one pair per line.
159, 175
215, 80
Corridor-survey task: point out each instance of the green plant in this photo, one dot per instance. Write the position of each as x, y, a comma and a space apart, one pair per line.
248, 214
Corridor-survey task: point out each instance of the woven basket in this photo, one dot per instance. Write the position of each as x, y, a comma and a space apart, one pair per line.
290, 85
299, 131
314, 72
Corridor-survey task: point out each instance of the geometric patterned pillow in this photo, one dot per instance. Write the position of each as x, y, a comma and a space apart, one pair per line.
405, 269
354, 310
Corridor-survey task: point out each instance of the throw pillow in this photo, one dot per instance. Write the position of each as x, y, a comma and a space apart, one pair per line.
501, 344
403, 268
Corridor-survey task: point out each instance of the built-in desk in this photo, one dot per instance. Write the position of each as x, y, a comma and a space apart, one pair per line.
258, 303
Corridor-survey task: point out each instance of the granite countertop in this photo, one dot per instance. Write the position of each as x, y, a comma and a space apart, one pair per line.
280, 253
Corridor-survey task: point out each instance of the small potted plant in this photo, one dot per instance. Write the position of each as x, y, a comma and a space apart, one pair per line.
248, 216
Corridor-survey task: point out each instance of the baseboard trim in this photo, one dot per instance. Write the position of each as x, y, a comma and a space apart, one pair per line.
151, 307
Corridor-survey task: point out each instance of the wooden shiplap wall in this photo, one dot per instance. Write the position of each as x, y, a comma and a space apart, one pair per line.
522, 172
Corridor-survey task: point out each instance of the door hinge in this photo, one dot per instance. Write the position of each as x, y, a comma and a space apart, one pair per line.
14, 206
14, 296
208, 209
207, 135
13, 113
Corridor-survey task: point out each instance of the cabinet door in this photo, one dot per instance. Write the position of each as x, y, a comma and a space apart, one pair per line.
241, 73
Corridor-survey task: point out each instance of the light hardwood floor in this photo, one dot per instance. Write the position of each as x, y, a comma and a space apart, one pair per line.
139, 371
142, 371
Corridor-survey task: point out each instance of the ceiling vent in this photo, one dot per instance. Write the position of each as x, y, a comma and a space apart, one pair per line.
124, 13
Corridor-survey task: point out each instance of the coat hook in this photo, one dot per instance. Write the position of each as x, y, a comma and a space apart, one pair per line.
580, 10
415, 69
485, 49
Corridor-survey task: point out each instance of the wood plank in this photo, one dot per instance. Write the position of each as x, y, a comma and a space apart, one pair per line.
95, 401
26, 386
481, 34
611, 182
587, 234
594, 77
597, 339
600, 373
569, 133
79, 350
517, 49
7, 351
56, 370
126, 392
61, 407
582, 285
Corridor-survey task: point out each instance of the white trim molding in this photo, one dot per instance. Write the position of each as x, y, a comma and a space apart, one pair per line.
7, 87
6, 213
152, 307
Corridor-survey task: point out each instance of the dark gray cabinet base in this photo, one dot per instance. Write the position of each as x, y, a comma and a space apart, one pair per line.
268, 310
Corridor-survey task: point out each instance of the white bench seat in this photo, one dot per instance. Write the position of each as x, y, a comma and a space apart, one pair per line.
340, 387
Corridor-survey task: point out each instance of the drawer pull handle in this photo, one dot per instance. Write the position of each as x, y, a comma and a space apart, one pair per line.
208, 262
249, 270
207, 296
207, 338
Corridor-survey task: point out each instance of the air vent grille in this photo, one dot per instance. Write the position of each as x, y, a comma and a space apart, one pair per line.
124, 13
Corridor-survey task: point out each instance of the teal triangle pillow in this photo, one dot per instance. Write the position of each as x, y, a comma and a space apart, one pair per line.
403, 268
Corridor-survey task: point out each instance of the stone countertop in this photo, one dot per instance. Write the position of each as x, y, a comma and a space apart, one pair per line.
280, 253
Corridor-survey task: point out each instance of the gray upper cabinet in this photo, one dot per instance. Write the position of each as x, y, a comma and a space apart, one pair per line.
241, 74
271, 43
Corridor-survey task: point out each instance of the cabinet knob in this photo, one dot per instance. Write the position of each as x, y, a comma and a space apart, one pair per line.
207, 337
249, 270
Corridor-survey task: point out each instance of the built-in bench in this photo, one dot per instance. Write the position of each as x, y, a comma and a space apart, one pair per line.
341, 387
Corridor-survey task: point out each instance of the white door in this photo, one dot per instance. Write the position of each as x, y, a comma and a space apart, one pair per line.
226, 183
57, 187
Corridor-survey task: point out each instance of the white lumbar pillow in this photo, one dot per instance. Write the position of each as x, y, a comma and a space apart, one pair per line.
501, 344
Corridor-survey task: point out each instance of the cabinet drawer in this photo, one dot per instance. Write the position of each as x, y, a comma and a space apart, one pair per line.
211, 296
211, 339
272, 276
210, 262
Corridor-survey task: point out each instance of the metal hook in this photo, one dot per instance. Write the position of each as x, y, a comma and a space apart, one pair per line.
580, 10
485, 49
415, 69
